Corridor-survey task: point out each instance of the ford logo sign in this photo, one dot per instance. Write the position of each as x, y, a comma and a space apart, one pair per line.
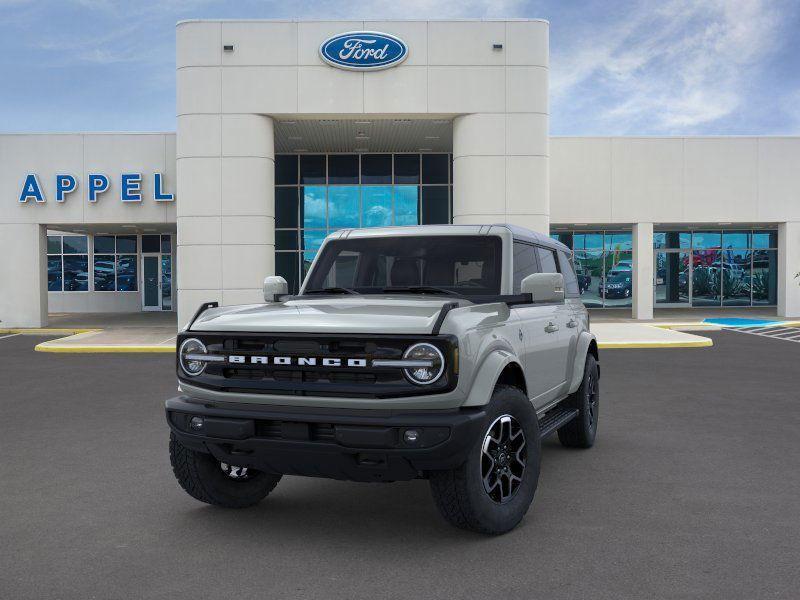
363, 50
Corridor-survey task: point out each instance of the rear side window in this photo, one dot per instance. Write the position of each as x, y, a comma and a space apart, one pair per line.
570, 279
524, 263
547, 260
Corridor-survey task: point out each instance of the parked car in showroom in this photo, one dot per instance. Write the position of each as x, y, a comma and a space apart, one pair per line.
440, 352
617, 285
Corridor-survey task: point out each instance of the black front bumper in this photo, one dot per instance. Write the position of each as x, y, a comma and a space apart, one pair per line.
357, 445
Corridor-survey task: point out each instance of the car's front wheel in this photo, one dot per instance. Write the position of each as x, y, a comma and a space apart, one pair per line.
208, 480
492, 490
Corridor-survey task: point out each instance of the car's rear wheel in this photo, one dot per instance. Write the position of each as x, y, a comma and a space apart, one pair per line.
582, 430
492, 490
208, 480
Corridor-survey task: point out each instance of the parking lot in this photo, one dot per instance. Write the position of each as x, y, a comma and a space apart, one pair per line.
692, 491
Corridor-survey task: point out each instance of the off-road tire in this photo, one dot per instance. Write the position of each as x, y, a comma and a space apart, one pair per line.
202, 478
459, 493
582, 430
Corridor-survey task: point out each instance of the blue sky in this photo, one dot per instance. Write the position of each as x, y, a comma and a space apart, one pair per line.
617, 68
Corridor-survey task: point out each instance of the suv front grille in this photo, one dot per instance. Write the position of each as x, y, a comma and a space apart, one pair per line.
315, 380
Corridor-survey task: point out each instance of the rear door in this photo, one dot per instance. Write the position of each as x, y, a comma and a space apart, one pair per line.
575, 310
538, 327
557, 328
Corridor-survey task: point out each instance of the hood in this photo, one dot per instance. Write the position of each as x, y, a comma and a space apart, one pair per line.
329, 315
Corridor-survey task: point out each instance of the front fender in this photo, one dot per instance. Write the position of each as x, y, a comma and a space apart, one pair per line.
584, 340
486, 377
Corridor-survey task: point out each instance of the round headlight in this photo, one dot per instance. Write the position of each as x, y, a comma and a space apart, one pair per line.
425, 353
189, 348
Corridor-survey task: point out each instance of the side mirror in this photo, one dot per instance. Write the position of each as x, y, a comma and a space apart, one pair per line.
274, 286
544, 287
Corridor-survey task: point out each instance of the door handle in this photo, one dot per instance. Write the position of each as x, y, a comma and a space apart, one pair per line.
572, 323
551, 328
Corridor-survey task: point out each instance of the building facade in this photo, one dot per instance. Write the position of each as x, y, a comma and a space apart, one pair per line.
289, 130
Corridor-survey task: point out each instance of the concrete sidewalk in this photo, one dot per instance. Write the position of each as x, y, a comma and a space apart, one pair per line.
108, 332
131, 339
156, 332
643, 335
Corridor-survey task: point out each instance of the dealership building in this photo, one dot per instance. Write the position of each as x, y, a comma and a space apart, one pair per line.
290, 130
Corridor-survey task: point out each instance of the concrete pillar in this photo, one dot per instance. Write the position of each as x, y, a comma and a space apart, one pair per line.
788, 267
23, 272
642, 271
226, 222
501, 169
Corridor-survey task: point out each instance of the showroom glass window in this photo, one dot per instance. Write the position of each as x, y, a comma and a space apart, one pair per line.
603, 265
716, 267
115, 264
316, 194
67, 263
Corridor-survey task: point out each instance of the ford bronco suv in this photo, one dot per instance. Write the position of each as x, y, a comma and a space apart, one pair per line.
442, 352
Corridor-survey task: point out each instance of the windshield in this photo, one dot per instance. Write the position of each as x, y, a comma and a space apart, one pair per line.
464, 265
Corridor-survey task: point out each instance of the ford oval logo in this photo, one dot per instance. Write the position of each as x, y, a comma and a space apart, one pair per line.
363, 50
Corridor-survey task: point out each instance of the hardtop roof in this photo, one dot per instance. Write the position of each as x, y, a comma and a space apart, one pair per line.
519, 233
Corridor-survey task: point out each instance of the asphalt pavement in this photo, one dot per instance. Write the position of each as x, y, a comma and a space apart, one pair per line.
692, 491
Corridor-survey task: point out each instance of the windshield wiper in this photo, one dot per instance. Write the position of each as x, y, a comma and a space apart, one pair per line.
419, 289
331, 290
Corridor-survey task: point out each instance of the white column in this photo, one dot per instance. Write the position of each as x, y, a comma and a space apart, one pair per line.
226, 223
642, 271
501, 170
788, 267
23, 272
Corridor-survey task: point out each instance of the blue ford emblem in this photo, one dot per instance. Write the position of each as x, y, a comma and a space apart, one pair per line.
363, 50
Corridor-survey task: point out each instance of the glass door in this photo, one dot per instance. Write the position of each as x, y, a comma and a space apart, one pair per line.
673, 278
151, 282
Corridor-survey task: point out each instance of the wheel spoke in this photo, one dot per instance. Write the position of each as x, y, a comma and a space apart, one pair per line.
503, 458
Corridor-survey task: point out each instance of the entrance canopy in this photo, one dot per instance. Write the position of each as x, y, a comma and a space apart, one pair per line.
363, 135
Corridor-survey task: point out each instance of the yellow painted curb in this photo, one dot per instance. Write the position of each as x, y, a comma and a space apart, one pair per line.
704, 343
46, 331
44, 347
687, 326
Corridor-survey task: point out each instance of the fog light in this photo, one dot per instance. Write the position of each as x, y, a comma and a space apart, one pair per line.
411, 436
196, 423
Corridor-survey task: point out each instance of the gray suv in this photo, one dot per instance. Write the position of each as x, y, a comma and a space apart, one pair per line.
437, 352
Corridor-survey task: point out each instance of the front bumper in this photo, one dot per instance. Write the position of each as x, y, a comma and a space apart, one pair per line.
615, 293
357, 445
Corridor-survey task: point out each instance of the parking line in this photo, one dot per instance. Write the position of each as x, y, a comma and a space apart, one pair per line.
790, 334
2, 337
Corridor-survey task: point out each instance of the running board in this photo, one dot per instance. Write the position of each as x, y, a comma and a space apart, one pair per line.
555, 418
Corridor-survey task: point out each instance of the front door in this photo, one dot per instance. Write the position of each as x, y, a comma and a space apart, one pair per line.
151, 277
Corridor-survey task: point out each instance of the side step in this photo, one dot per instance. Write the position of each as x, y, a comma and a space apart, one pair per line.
555, 418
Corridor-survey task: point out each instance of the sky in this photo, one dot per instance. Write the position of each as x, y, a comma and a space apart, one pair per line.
671, 67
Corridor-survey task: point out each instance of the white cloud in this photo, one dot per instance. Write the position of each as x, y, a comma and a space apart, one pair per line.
408, 9
669, 69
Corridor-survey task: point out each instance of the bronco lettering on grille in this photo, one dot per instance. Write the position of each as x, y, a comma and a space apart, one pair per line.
300, 361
